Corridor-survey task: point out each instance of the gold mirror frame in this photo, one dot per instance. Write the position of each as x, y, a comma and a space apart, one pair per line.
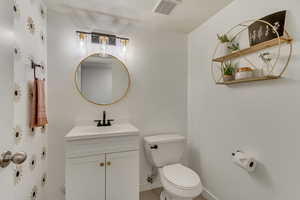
99, 104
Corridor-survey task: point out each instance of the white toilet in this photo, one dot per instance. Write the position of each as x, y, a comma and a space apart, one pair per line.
179, 182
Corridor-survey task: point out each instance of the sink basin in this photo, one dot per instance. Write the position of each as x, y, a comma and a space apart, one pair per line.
90, 132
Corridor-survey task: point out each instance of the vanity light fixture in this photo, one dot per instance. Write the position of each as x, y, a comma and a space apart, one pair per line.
104, 40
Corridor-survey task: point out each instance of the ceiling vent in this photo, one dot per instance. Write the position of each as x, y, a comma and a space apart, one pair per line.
165, 7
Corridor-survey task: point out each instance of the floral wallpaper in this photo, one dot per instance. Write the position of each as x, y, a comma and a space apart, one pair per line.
30, 178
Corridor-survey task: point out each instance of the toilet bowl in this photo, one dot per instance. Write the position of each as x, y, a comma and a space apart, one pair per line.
179, 182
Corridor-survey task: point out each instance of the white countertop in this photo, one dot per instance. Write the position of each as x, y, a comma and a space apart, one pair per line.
91, 132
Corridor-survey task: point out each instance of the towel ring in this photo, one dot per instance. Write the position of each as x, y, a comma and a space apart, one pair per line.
34, 66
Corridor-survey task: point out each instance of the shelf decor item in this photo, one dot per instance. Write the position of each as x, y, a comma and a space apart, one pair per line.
253, 62
228, 70
260, 32
244, 73
230, 44
223, 38
266, 57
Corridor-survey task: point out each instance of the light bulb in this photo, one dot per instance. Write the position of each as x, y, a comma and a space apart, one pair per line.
82, 41
124, 43
103, 40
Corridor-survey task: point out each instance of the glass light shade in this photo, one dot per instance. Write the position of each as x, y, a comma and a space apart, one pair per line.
82, 41
82, 38
124, 44
103, 40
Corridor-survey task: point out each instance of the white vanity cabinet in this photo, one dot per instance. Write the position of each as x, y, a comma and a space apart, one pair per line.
85, 178
122, 178
102, 163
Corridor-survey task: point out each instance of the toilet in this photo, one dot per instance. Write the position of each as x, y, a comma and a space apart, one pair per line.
179, 182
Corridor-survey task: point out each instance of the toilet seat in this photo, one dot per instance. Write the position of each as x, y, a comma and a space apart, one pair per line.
180, 181
181, 176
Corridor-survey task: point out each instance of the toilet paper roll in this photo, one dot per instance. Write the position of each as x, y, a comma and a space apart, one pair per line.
244, 161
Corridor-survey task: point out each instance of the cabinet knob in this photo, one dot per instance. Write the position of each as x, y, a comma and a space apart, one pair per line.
108, 163
101, 164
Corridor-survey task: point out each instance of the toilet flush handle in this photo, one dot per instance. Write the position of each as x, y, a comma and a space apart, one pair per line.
154, 147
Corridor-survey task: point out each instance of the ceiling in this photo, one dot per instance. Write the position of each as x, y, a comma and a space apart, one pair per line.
120, 13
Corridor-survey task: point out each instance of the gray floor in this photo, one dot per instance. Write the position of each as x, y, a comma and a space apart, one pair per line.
154, 195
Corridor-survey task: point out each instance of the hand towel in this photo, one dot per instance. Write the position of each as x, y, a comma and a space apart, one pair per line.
38, 104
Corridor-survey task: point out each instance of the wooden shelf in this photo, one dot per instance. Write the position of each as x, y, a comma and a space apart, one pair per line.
248, 80
253, 49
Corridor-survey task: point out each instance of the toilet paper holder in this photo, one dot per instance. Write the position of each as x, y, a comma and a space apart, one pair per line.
244, 160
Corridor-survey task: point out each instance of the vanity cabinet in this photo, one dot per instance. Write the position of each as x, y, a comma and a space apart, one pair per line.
86, 178
105, 167
122, 176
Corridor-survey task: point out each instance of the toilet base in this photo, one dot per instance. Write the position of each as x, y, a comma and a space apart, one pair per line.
166, 196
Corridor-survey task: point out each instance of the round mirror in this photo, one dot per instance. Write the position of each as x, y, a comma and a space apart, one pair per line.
102, 79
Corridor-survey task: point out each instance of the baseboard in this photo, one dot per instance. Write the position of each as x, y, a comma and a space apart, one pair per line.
146, 187
208, 195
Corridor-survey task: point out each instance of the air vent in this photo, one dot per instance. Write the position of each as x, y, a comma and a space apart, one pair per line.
165, 7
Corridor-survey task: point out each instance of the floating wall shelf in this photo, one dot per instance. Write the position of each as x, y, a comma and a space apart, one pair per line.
253, 49
264, 78
276, 70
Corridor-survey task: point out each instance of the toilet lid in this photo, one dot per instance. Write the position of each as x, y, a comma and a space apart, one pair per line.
181, 176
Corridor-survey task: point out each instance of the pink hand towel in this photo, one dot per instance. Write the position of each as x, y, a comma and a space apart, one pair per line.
38, 105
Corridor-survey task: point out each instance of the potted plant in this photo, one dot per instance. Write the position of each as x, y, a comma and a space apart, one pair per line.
228, 70
230, 43
223, 38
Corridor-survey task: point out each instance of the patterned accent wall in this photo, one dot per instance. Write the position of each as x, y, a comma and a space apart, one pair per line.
30, 33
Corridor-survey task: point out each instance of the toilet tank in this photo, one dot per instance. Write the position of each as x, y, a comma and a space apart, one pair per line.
163, 150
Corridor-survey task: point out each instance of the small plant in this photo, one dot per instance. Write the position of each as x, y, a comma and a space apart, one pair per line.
228, 68
234, 46
223, 38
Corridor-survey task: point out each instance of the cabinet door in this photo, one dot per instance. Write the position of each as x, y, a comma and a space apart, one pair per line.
85, 178
122, 176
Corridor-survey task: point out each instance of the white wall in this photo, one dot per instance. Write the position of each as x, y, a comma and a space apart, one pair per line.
261, 118
156, 103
